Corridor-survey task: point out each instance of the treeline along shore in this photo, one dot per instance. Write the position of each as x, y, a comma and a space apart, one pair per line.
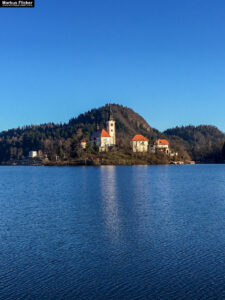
60, 144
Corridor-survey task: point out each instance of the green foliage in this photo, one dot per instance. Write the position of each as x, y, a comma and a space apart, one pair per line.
63, 140
223, 152
203, 143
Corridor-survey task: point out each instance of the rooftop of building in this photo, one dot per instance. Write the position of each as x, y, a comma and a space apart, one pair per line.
139, 137
162, 142
100, 133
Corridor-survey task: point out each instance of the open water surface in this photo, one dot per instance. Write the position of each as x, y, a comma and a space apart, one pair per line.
130, 232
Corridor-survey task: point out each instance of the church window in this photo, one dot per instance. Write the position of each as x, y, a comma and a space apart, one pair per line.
111, 124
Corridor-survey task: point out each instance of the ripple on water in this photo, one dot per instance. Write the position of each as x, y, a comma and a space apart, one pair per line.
112, 233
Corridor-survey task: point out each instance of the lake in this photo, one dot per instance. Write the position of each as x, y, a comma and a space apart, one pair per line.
129, 232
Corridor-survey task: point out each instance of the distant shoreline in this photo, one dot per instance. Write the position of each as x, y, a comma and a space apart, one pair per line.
128, 165
69, 164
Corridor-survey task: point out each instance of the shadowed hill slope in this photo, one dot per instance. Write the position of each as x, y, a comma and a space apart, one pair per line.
128, 122
203, 143
63, 139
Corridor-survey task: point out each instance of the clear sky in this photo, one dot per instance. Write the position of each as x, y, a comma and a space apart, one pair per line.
165, 59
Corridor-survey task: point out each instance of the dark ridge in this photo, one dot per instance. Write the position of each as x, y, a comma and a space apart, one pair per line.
203, 142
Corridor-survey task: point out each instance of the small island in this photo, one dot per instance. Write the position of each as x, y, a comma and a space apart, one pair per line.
110, 135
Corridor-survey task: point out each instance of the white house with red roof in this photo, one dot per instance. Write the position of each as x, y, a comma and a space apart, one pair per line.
83, 144
104, 139
139, 143
162, 145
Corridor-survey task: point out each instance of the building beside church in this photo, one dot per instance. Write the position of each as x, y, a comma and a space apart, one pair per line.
162, 145
83, 144
33, 154
105, 139
139, 143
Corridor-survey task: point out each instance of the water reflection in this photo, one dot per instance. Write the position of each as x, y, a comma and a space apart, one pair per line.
151, 195
109, 200
112, 232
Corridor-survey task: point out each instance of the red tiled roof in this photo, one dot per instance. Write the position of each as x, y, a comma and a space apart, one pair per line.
100, 133
139, 137
83, 141
162, 142
104, 133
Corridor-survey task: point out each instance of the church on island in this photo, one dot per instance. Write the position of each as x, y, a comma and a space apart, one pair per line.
105, 139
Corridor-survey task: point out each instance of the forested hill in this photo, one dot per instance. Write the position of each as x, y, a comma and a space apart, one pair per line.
128, 122
63, 139
203, 143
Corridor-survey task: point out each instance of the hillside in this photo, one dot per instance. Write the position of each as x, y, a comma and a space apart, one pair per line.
63, 139
203, 143
128, 123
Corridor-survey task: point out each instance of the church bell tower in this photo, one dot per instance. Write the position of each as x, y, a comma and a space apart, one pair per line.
111, 126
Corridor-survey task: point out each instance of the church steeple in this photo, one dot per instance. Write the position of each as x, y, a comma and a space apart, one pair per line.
111, 126
110, 114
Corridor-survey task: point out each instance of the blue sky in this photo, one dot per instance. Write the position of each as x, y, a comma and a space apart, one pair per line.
165, 59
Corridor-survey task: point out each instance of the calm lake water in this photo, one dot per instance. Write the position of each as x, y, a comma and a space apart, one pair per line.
155, 232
